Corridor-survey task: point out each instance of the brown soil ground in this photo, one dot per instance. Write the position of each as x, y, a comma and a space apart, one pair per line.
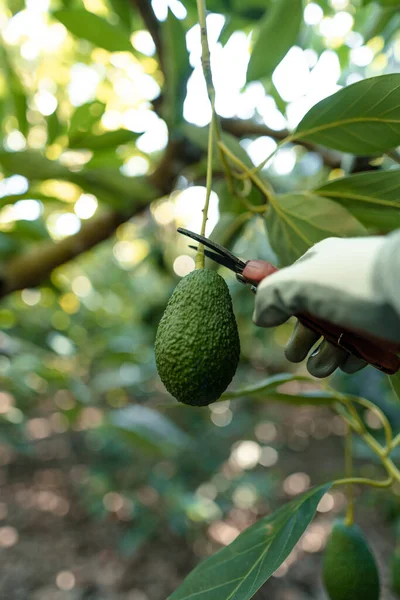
51, 549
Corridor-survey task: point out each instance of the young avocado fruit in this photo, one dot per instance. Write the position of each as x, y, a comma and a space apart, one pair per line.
349, 567
395, 568
197, 344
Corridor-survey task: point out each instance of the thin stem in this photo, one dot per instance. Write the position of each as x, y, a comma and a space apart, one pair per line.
262, 186
385, 483
352, 419
349, 475
381, 416
395, 388
200, 257
392, 469
382, 453
348, 401
395, 441
259, 167
248, 128
206, 64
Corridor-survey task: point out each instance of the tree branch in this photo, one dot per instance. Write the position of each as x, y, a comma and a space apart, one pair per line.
33, 267
153, 26
242, 128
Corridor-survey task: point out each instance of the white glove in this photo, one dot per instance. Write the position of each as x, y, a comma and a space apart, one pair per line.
340, 281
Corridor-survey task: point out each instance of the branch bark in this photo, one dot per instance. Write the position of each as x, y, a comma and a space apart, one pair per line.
32, 268
153, 26
242, 128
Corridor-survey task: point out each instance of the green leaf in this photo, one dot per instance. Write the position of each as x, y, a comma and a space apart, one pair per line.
227, 202
177, 68
363, 118
109, 139
228, 229
232, 24
15, 6
89, 26
239, 570
30, 195
9, 246
383, 21
269, 389
83, 119
373, 198
384, 2
394, 382
33, 165
277, 33
108, 184
123, 9
105, 158
54, 127
115, 189
17, 92
32, 231
230, 203
149, 428
295, 222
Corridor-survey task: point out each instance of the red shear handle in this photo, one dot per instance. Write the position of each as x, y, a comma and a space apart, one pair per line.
380, 353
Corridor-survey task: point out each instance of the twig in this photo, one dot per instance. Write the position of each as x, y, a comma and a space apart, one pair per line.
200, 256
214, 125
242, 128
349, 475
263, 186
206, 64
33, 267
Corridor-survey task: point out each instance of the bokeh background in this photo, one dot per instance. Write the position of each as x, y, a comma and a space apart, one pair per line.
108, 488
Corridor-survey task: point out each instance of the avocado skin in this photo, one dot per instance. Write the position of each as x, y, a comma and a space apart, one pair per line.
395, 572
197, 344
349, 567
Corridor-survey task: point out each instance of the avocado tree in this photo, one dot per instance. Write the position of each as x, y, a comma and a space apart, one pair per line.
92, 177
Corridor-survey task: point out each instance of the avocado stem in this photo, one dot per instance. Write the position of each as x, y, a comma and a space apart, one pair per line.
206, 64
200, 257
349, 474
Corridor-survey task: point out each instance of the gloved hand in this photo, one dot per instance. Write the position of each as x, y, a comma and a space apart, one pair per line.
338, 280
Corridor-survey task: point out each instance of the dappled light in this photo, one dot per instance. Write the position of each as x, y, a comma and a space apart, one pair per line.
116, 129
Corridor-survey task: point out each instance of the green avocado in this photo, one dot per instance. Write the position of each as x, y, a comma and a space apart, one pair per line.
395, 572
197, 344
349, 567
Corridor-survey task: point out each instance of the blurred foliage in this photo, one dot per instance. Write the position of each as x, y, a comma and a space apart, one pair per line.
86, 111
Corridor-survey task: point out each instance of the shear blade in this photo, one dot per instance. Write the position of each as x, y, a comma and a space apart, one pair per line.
221, 260
230, 261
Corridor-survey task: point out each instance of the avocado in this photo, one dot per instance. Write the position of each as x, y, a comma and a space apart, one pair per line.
349, 567
197, 343
395, 572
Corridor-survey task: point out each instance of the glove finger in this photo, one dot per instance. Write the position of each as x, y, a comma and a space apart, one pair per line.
300, 343
269, 318
325, 360
352, 364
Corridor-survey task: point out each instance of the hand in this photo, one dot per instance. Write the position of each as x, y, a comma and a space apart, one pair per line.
335, 280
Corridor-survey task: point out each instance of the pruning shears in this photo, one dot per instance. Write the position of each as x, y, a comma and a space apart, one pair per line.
381, 354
